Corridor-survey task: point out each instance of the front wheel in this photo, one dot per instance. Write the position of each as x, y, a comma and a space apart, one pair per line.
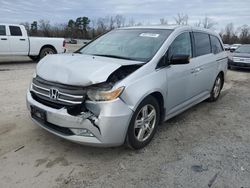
143, 123
218, 84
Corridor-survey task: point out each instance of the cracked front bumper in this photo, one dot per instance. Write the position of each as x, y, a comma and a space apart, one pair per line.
108, 125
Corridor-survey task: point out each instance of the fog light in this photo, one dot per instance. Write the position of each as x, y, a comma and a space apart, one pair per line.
82, 132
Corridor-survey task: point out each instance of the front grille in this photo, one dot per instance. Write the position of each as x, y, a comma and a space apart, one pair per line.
65, 95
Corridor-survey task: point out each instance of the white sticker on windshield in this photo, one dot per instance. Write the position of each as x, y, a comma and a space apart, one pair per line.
154, 35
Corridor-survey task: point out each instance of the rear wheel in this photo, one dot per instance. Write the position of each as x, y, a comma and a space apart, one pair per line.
34, 58
46, 51
143, 124
218, 84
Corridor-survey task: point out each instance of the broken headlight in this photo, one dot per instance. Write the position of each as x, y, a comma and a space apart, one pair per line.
104, 95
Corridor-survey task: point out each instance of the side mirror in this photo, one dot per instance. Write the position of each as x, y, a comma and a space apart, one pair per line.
179, 59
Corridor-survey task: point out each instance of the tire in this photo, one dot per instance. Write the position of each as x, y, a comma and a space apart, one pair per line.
34, 58
217, 87
45, 51
139, 135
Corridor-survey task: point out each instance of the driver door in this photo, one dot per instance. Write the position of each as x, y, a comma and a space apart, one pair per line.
179, 77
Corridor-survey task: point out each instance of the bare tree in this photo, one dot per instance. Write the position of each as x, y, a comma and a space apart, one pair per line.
101, 25
181, 19
44, 27
131, 22
208, 23
230, 35
93, 28
244, 34
119, 20
163, 21
111, 23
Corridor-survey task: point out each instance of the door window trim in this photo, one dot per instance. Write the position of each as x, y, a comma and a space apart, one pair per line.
166, 52
195, 55
5, 30
15, 27
219, 42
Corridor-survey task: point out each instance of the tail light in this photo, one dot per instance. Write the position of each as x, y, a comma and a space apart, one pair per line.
64, 43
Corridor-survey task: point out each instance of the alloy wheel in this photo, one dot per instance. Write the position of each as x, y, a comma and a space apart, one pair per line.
145, 122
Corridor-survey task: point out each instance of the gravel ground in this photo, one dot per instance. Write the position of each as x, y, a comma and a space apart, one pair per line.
206, 146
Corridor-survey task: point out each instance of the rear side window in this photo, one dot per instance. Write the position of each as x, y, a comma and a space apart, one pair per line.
15, 31
202, 44
216, 45
2, 30
181, 45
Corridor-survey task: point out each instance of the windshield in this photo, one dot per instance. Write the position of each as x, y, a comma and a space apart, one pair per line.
243, 49
132, 44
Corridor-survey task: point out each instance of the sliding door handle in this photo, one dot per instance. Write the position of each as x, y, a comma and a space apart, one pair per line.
22, 39
4, 39
193, 71
196, 70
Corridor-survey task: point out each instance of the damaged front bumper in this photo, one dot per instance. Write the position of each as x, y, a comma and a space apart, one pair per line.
104, 124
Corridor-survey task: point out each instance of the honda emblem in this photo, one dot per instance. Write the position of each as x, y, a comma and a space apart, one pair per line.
53, 93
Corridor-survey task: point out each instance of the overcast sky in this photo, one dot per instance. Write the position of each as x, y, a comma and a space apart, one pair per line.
60, 11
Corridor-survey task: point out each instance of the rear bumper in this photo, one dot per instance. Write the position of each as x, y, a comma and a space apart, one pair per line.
108, 123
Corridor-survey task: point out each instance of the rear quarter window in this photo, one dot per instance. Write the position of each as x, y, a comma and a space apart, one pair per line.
216, 45
2, 30
15, 31
202, 44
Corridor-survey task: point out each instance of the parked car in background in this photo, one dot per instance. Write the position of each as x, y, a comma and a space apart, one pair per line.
240, 57
73, 41
118, 88
227, 47
234, 47
15, 41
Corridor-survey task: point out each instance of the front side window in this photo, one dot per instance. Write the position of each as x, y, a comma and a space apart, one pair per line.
216, 45
2, 30
15, 31
202, 44
132, 44
181, 46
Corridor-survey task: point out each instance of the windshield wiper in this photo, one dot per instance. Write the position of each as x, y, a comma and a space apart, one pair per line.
114, 56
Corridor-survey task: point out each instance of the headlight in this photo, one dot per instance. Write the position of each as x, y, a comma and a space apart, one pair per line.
100, 95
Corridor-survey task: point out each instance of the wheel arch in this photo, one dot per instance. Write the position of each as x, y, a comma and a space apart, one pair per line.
160, 99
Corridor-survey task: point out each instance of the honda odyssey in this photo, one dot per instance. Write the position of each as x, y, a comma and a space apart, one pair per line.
118, 88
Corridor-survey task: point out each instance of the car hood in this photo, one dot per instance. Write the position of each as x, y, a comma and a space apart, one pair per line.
241, 55
79, 69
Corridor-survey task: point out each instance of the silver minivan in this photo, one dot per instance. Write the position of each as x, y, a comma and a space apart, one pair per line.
121, 86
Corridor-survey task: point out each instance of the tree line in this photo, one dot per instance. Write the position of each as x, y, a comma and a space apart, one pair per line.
86, 28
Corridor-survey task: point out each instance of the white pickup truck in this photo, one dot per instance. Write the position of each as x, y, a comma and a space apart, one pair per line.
15, 41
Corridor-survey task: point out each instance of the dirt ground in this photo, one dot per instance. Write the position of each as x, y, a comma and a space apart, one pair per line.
206, 146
